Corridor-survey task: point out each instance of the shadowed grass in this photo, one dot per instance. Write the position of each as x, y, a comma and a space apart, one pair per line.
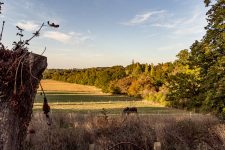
66, 97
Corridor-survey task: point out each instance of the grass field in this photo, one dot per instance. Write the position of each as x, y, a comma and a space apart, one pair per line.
68, 97
77, 120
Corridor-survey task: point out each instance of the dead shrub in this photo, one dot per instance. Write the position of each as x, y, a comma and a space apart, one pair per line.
76, 131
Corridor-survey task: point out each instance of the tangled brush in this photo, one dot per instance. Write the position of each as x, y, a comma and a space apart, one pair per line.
15, 69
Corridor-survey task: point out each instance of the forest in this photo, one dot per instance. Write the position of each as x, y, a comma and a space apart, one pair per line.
194, 81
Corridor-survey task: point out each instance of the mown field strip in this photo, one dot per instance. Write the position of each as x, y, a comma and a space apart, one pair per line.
110, 103
110, 107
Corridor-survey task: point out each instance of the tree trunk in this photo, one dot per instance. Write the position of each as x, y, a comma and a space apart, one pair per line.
20, 74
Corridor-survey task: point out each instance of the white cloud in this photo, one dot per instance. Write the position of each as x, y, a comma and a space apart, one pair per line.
142, 18
194, 18
58, 36
170, 22
71, 33
190, 25
2, 16
28, 25
164, 25
193, 25
79, 38
69, 38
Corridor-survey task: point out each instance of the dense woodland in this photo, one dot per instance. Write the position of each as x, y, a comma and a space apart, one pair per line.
194, 81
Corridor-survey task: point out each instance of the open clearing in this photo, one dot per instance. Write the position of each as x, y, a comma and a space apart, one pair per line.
68, 97
60, 87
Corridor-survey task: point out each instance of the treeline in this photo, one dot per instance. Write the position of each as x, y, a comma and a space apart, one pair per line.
139, 80
196, 80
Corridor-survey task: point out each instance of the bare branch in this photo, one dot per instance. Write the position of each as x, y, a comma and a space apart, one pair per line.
43, 51
3, 24
37, 33
1, 3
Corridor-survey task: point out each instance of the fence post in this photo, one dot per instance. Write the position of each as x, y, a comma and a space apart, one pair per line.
157, 146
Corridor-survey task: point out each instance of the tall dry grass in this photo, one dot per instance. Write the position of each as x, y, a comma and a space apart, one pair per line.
76, 131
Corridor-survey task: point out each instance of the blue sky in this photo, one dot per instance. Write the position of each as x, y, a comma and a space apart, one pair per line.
106, 32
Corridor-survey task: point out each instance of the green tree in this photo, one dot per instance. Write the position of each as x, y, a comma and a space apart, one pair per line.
146, 68
213, 72
137, 70
152, 72
183, 91
200, 75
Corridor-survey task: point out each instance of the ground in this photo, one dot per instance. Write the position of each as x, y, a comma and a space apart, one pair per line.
68, 97
174, 129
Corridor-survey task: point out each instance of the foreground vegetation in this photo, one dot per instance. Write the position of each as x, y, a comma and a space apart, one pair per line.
76, 131
194, 81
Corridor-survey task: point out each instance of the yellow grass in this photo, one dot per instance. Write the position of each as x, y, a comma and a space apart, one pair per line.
51, 85
97, 105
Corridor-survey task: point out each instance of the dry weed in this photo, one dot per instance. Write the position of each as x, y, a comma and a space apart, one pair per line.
77, 131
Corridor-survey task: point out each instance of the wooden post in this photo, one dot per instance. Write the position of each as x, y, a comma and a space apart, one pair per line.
17, 94
157, 146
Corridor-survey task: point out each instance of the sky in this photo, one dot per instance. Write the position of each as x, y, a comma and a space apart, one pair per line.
99, 33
